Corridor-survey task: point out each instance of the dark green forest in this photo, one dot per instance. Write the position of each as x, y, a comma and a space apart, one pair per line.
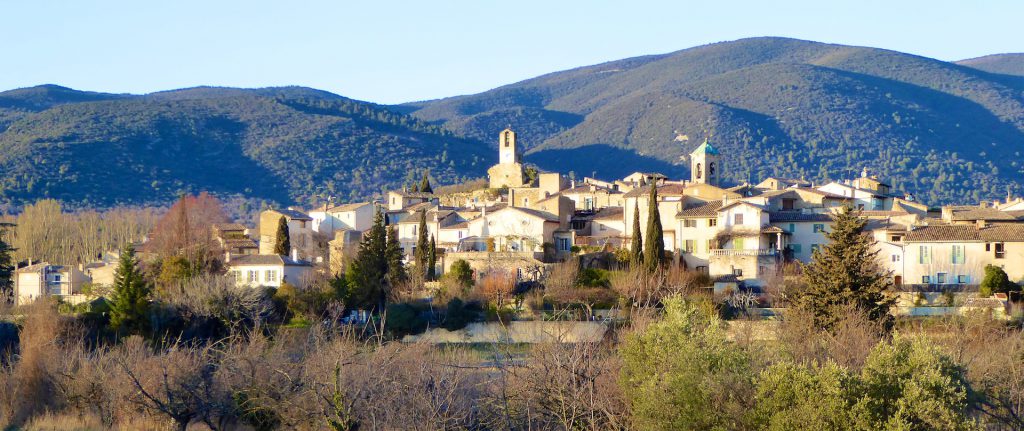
774, 106
280, 144
947, 132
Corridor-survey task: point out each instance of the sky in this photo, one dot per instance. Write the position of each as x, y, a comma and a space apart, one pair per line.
398, 51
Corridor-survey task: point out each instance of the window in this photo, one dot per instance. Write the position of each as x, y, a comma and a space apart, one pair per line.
702, 269
737, 272
588, 203
797, 248
737, 243
788, 204
689, 223
254, 276
56, 278
963, 279
737, 219
958, 255
926, 279
895, 258
1000, 250
238, 276
792, 228
601, 227
563, 244
414, 228
924, 255
688, 246
712, 222
270, 276
819, 228
940, 278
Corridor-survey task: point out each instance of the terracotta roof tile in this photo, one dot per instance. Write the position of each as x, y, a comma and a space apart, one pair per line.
944, 233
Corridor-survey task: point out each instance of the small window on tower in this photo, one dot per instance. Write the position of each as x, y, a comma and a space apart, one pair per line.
711, 169
699, 171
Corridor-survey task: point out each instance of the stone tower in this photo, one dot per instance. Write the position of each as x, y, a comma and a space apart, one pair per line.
509, 171
705, 168
508, 152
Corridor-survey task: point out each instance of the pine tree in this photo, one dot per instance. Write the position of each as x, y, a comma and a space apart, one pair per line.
425, 184
654, 250
6, 262
283, 245
422, 245
130, 300
368, 272
845, 272
394, 254
636, 249
432, 260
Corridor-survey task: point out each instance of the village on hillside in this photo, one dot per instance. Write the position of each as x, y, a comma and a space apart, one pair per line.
747, 239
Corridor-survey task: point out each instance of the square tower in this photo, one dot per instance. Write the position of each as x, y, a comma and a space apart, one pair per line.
704, 165
508, 152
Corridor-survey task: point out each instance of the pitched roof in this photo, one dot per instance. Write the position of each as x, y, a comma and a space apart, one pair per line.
673, 189
706, 148
33, 268
224, 227
538, 213
263, 259
608, 213
970, 213
709, 209
1009, 232
590, 188
341, 208
944, 233
791, 216
292, 214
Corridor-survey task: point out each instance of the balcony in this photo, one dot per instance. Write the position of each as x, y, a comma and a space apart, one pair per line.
721, 252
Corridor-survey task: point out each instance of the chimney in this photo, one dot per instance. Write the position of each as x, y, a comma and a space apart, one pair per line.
295, 254
981, 223
227, 257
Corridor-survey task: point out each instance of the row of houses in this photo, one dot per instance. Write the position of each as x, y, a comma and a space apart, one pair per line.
745, 233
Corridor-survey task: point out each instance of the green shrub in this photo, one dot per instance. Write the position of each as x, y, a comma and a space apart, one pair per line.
592, 277
461, 272
995, 281
404, 319
458, 315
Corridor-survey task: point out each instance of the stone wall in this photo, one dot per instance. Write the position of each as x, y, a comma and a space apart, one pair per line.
516, 332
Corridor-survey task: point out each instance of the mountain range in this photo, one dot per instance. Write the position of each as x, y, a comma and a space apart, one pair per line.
944, 131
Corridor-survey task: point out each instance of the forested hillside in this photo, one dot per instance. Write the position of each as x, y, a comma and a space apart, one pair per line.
773, 106
281, 144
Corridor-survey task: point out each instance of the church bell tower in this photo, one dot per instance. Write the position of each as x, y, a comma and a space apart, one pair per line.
507, 150
705, 168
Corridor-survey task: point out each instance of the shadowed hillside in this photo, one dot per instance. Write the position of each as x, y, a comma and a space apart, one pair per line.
282, 144
774, 106
1006, 64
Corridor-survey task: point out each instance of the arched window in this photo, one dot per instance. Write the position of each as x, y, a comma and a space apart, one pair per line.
711, 169
698, 172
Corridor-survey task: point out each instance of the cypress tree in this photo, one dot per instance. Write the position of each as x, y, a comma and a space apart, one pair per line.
432, 260
283, 243
422, 244
394, 254
130, 299
425, 184
367, 274
654, 251
845, 272
6, 262
636, 249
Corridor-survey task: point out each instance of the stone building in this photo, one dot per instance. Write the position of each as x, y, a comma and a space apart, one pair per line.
509, 170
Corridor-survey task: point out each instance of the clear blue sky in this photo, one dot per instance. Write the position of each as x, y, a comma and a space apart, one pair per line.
392, 51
